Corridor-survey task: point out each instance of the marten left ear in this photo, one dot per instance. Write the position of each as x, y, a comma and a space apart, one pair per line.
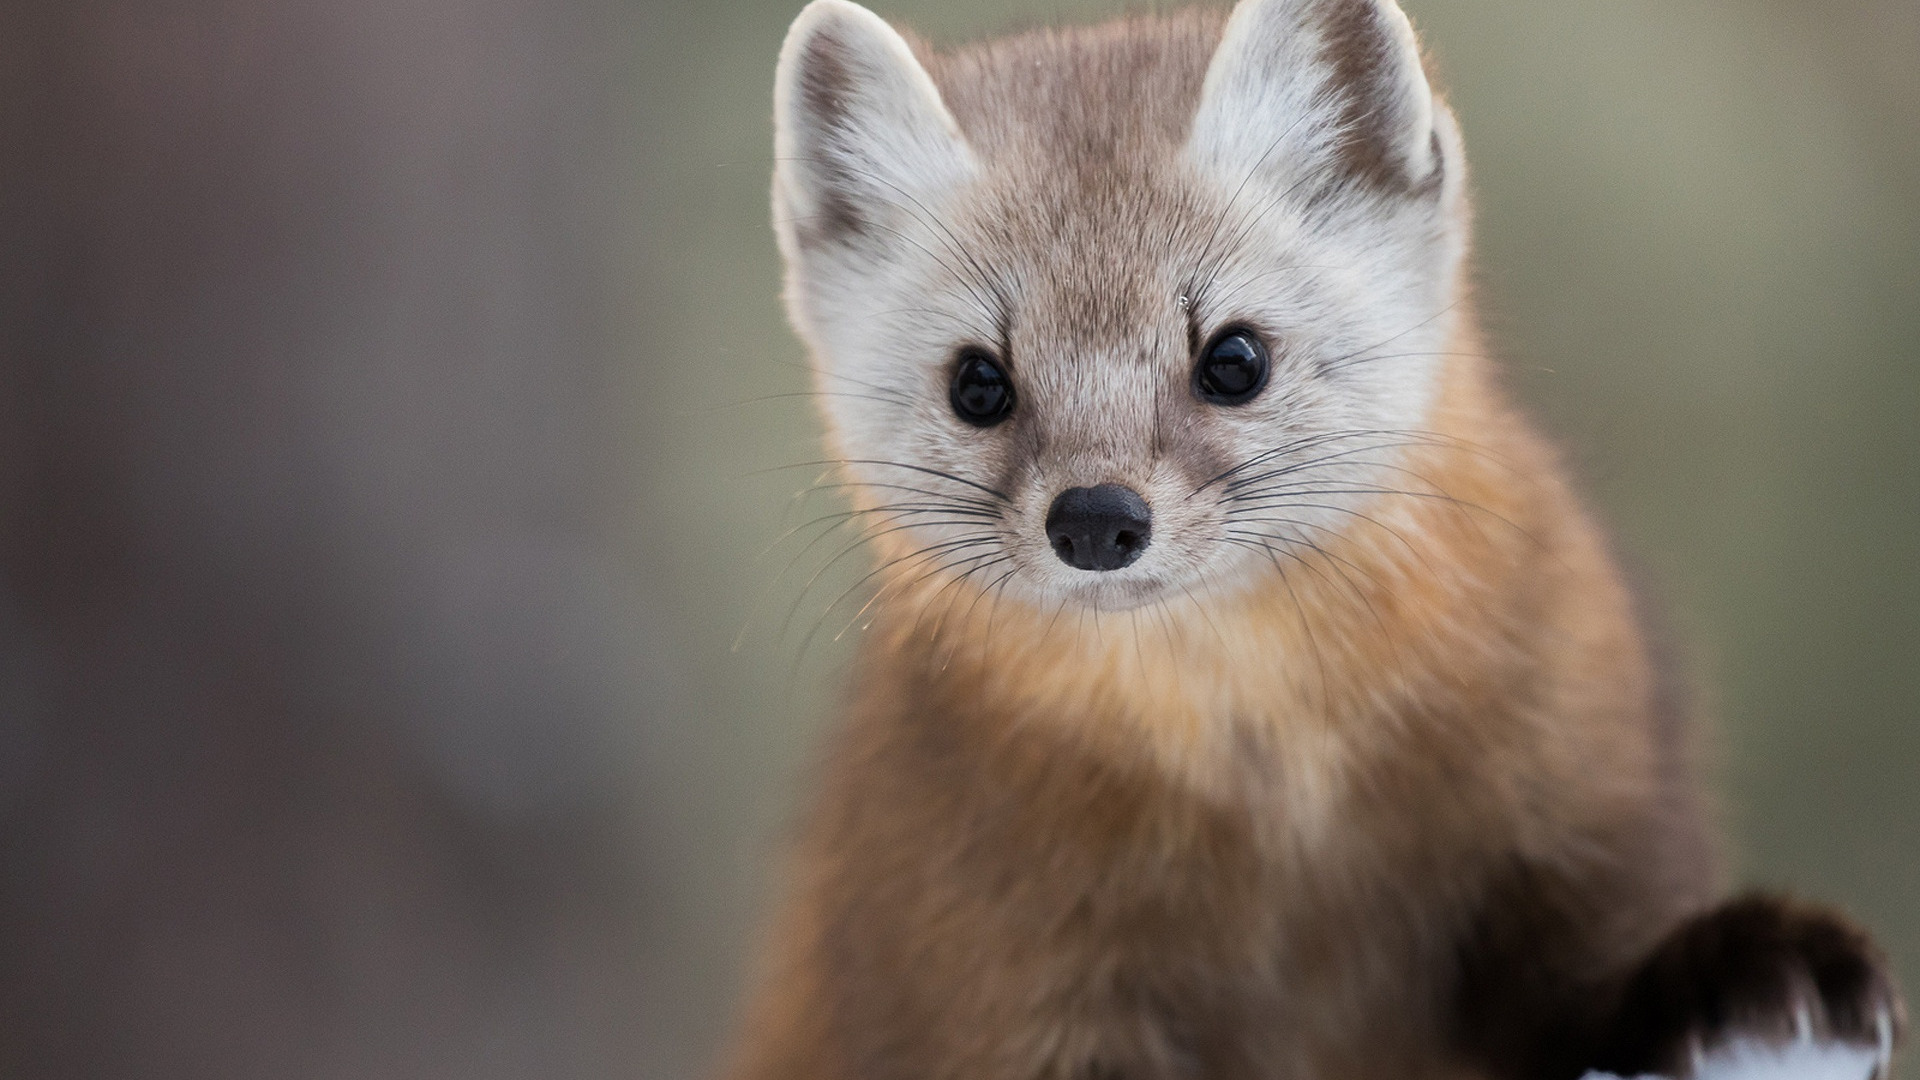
861, 137
1325, 98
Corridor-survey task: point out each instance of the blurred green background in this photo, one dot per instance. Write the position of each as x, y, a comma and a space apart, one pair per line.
386, 397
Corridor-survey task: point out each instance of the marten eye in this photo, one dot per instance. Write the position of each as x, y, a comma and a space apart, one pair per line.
981, 394
1232, 368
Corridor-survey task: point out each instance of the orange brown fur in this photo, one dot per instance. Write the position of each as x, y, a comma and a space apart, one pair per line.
1411, 803
1145, 839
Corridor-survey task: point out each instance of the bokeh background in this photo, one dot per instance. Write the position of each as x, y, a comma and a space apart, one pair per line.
387, 389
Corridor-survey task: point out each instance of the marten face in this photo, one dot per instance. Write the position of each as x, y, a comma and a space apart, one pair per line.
1101, 337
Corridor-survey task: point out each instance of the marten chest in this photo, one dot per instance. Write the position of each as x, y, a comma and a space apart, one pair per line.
1028, 912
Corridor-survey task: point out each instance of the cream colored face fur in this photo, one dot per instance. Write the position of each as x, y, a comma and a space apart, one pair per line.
1092, 213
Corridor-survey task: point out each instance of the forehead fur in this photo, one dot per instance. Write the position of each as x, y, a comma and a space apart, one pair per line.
1078, 131
1080, 98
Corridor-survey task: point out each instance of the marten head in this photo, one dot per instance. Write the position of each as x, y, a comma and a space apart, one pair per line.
1102, 316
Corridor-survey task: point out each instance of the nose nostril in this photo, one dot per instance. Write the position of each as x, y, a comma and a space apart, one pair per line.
1099, 528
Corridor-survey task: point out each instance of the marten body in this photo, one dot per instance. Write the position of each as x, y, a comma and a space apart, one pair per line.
1358, 766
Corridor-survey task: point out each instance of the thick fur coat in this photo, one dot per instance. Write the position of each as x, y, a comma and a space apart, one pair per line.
1364, 768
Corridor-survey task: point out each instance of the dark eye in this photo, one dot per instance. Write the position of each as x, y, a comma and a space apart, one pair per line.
981, 393
1232, 368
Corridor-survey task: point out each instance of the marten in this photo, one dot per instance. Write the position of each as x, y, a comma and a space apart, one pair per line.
1246, 695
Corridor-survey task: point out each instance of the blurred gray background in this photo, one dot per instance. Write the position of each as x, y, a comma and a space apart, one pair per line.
385, 389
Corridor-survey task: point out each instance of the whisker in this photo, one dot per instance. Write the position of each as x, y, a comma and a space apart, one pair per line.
807, 641
959, 500
839, 520
978, 274
1339, 456
1438, 496
1300, 611
1334, 562
954, 586
985, 306
878, 388
1302, 443
1334, 363
861, 541
878, 462
892, 509
791, 394
1233, 200
939, 568
1397, 437
1246, 225
1342, 363
1224, 300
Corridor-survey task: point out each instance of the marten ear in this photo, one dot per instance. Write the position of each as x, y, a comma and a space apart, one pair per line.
860, 133
1324, 97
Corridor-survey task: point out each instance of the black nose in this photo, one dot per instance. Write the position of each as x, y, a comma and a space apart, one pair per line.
1099, 528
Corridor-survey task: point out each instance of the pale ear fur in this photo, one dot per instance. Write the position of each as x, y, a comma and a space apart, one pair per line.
1318, 95
860, 132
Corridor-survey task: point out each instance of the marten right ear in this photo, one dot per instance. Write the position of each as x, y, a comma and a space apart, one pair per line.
1324, 98
861, 137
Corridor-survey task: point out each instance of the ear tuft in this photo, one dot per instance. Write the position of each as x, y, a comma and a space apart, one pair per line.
859, 128
1331, 91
